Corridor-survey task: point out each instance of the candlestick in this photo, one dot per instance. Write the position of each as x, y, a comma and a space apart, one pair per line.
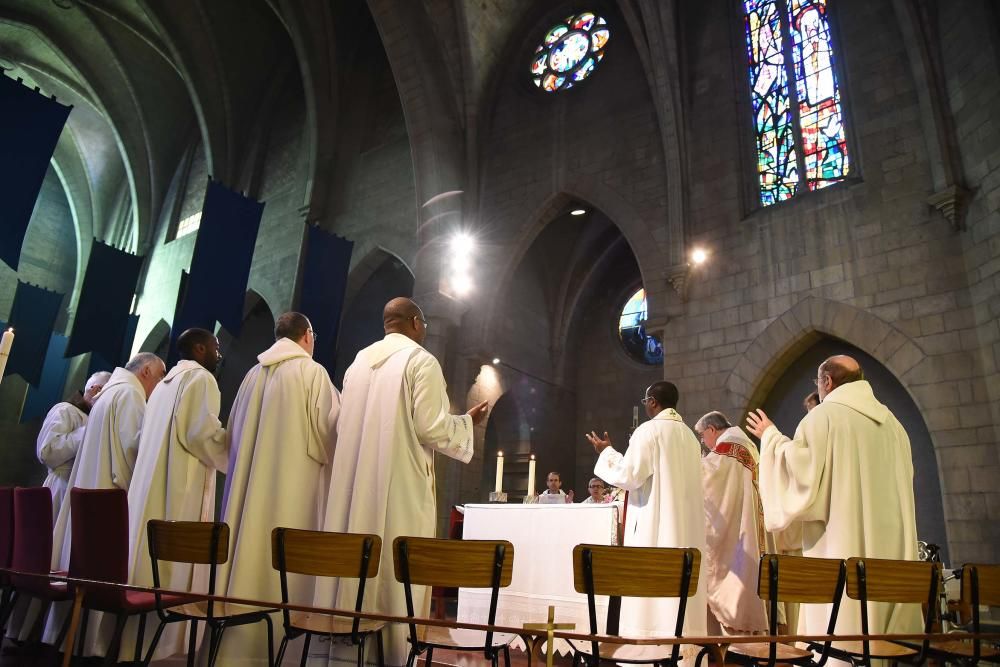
531, 475
6, 342
499, 484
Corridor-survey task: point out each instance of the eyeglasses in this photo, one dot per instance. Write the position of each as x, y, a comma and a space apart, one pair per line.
422, 320
313, 334
646, 399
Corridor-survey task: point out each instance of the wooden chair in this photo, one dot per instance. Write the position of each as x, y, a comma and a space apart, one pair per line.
320, 554
439, 594
632, 572
800, 580
425, 561
980, 586
202, 543
895, 581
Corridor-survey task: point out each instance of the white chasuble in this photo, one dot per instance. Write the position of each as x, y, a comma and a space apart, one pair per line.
661, 470
396, 416
734, 533
281, 436
181, 447
58, 442
105, 461
847, 476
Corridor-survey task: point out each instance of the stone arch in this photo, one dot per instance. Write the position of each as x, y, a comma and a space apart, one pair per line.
157, 339
786, 337
240, 353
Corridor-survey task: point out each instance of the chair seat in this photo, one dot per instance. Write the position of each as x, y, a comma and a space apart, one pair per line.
331, 625
460, 638
964, 648
762, 651
877, 648
136, 601
627, 652
220, 610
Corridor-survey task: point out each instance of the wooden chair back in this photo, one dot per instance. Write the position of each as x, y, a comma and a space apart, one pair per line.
981, 582
320, 554
452, 563
801, 579
886, 580
637, 571
200, 542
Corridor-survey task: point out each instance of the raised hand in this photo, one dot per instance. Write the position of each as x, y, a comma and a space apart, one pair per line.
600, 444
757, 422
479, 412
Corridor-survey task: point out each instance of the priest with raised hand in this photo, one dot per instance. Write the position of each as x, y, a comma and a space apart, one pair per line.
734, 528
661, 470
182, 446
396, 417
281, 436
847, 476
62, 434
108, 452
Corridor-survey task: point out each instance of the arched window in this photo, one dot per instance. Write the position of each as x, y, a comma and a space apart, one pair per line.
632, 331
570, 51
799, 128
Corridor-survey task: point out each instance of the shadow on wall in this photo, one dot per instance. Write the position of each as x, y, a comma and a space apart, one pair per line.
240, 354
361, 324
784, 407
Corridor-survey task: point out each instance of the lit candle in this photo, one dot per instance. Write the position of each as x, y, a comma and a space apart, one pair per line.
531, 475
499, 484
6, 342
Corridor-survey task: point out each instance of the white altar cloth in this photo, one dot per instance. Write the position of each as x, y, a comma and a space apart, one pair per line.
543, 537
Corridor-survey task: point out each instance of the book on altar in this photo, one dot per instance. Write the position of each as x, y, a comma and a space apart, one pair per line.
551, 499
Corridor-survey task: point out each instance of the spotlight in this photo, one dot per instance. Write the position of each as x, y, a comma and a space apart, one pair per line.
462, 243
461, 284
698, 256
496, 361
578, 211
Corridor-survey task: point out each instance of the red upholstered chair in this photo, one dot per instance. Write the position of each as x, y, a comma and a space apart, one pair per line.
100, 553
7, 595
33, 550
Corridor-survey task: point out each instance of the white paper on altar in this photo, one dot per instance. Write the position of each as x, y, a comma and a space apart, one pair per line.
543, 537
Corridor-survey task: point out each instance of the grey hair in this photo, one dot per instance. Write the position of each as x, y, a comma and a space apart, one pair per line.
100, 377
715, 419
140, 361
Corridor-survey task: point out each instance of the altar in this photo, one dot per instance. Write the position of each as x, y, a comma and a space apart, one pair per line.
543, 537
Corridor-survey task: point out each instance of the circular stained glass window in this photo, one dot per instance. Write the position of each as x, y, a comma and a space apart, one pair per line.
570, 52
632, 331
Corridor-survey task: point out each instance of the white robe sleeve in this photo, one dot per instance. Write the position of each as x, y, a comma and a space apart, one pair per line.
323, 412
433, 422
58, 442
198, 428
631, 470
793, 486
128, 426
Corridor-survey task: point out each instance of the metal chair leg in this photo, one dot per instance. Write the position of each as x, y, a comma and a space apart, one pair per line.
379, 647
506, 655
305, 652
430, 657
270, 639
116, 640
192, 642
282, 645
361, 653
139, 636
215, 642
153, 643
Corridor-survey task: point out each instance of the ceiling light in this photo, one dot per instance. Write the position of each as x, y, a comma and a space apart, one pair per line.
496, 361
578, 211
698, 256
462, 243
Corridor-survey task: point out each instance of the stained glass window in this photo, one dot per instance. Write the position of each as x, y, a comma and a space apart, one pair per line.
800, 128
632, 331
570, 51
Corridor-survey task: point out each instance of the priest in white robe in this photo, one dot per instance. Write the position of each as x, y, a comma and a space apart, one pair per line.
396, 417
108, 452
182, 445
847, 476
734, 528
661, 470
281, 436
62, 434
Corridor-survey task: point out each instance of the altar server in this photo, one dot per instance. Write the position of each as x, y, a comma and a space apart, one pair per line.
661, 469
281, 436
734, 528
847, 475
108, 452
396, 416
61, 435
182, 446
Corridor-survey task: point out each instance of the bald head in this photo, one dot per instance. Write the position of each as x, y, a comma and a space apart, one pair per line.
835, 371
402, 316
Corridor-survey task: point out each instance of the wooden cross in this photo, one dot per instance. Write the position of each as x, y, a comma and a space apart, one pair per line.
550, 627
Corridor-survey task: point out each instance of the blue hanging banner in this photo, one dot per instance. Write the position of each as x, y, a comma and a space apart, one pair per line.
50, 390
33, 315
102, 314
31, 124
220, 265
99, 363
324, 283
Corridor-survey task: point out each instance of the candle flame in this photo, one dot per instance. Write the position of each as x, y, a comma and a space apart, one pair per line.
532, 457
499, 454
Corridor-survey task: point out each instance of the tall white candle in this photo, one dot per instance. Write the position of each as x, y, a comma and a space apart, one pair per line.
6, 342
531, 475
635, 416
499, 484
